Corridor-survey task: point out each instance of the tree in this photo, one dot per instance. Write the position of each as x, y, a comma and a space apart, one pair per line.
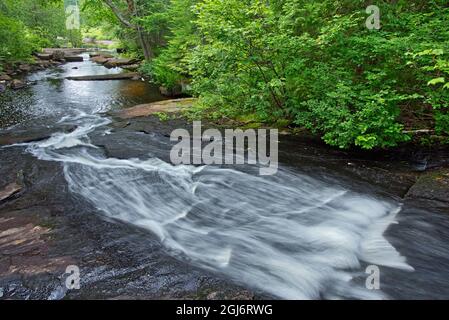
132, 14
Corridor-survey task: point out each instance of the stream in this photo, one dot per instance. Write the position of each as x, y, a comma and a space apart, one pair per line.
308, 232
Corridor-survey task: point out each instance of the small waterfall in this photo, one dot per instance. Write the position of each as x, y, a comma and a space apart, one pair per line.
290, 235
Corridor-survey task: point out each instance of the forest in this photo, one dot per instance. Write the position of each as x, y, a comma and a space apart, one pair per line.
304, 64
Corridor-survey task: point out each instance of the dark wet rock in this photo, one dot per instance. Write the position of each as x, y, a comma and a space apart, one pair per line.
58, 62
223, 295
120, 76
44, 56
58, 55
17, 84
8, 140
433, 185
43, 63
73, 58
75, 68
25, 68
164, 91
2, 87
30, 135
5, 77
175, 91
49, 229
120, 124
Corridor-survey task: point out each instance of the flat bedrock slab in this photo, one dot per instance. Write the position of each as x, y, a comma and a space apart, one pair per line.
119, 76
167, 106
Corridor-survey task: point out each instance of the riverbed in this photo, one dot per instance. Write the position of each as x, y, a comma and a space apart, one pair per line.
100, 193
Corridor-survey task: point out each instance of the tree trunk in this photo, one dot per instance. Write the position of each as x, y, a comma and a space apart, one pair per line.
144, 43
133, 12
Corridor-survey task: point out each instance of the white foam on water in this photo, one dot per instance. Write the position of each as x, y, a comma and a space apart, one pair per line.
290, 235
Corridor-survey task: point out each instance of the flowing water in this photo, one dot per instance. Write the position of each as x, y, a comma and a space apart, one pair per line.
294, 235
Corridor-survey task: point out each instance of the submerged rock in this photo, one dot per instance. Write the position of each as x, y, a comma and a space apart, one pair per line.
74, 59
120, 76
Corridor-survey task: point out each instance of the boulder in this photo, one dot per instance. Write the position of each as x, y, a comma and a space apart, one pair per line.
58, 55
25, 68
132, 67
100, 54
100, 59
74, 59
17, 84
176, 91
164, 91
114, 62
5, 77
43, 63
44, 56
431, 186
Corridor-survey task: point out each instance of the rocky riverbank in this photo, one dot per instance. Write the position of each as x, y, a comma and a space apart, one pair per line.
13, 74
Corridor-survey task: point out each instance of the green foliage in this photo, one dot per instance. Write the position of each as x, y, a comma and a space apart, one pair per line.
14, 47
27, 26
434, 64
171, 66
162, 116
313, 64
316, 64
